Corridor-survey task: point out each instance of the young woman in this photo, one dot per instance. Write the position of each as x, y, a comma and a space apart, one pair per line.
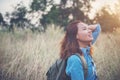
78, 39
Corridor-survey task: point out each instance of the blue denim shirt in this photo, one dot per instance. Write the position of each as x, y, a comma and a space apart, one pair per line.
74, 67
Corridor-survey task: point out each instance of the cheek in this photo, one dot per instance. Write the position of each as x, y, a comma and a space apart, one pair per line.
81, 36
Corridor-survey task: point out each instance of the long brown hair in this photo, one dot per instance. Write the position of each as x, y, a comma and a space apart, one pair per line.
69, 44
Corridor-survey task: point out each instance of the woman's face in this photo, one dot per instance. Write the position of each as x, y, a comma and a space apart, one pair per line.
84, 34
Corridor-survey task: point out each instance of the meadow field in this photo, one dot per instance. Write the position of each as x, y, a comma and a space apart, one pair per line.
27, 56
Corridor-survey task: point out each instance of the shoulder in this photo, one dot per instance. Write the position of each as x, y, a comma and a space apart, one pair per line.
73, 59
74, 66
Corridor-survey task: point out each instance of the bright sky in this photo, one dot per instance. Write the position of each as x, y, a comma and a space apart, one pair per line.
99, 3
7, 5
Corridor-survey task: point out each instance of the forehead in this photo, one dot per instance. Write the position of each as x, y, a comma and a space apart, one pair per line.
82, 25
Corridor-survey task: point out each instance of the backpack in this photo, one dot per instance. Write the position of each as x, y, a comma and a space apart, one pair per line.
57, 70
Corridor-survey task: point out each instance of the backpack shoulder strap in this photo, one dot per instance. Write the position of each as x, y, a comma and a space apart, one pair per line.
61, 69
84, 64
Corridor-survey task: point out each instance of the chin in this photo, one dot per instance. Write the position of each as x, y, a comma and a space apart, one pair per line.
90, 40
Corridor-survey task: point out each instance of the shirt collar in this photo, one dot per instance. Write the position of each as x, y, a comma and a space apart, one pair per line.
85, 50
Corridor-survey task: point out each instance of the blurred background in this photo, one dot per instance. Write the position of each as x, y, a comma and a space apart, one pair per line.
31, 31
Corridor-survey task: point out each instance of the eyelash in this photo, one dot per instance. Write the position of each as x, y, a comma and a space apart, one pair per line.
84, 29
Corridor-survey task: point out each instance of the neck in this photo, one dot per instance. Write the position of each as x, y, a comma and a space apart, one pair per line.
83, 44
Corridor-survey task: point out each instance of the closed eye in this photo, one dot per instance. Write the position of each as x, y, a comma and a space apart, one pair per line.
84, 29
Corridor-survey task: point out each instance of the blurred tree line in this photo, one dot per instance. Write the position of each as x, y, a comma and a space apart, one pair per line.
59, 14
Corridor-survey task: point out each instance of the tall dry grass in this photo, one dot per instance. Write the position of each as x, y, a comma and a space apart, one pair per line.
107, 56
27, 56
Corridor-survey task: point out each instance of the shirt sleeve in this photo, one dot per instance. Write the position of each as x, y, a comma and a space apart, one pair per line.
96, 32
74, 68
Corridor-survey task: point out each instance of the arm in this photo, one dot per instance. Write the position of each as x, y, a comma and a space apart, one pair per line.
74, 68
96, 29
